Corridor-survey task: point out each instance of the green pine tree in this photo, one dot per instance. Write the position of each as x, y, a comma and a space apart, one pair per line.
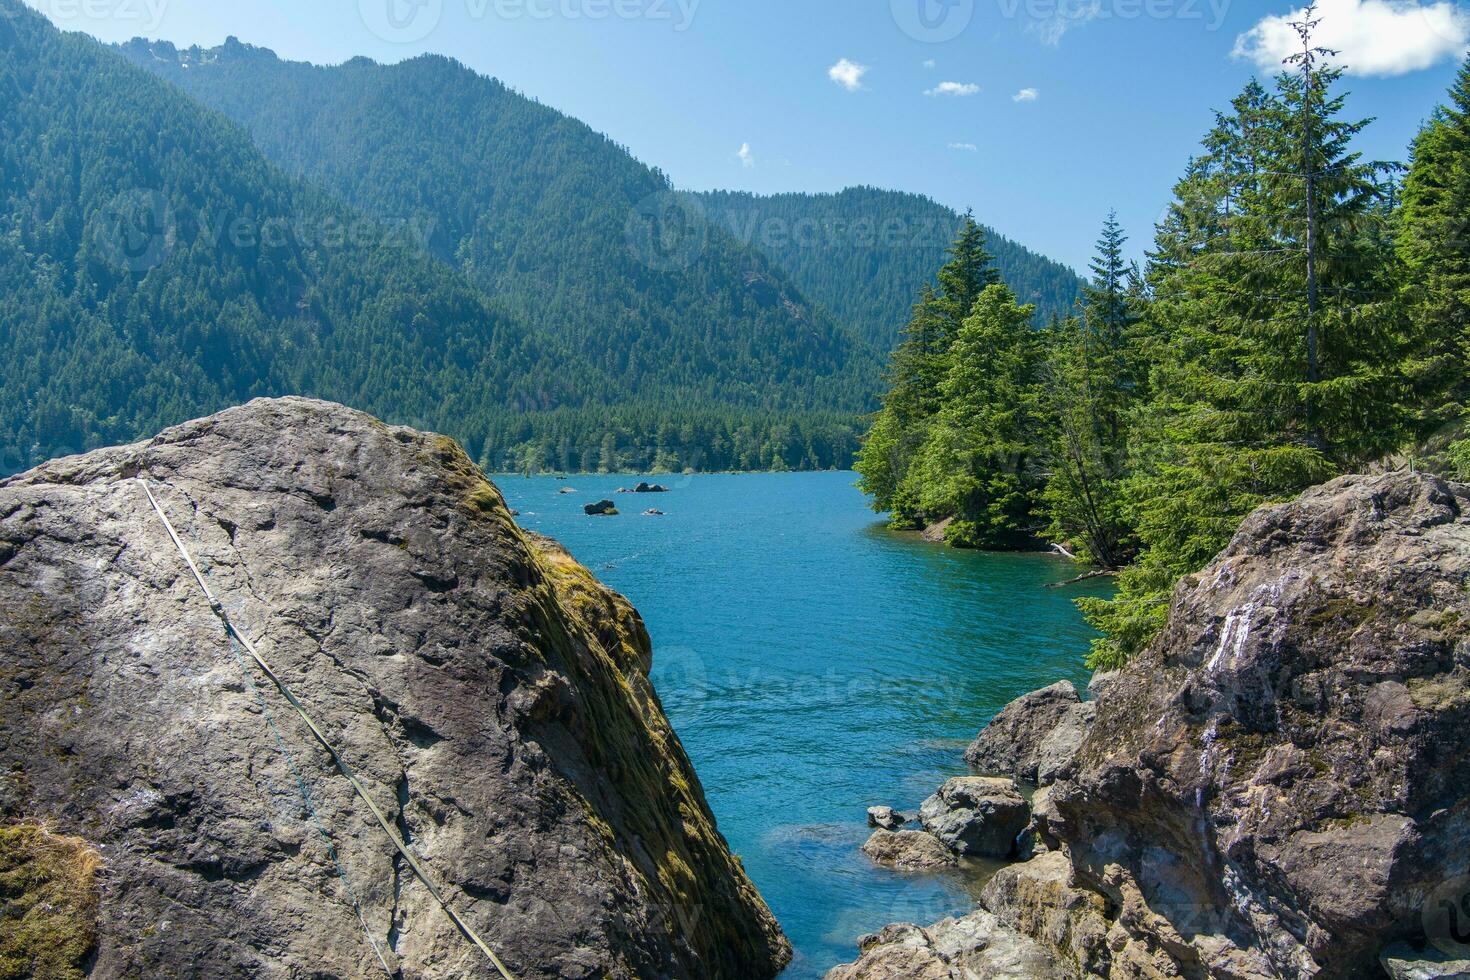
1434, 244
916, 376
980, 464
1281, 342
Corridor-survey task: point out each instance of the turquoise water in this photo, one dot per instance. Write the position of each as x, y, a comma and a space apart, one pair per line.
815, 663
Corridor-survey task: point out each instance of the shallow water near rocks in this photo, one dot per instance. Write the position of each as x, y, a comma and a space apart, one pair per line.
814, 664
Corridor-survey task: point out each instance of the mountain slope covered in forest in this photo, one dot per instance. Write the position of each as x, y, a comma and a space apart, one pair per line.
559, 223
156, 267
864, 253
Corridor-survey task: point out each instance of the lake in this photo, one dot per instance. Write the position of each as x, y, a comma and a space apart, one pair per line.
816, 663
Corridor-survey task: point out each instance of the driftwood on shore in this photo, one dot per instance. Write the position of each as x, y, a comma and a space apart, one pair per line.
1085, 577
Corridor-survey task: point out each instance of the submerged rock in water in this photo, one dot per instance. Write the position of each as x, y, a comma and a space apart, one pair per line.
908, 850
489, 693
976, 815
1035, 737
885, 817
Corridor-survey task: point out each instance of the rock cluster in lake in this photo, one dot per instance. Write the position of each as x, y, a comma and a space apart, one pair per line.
1278, 787
491, 696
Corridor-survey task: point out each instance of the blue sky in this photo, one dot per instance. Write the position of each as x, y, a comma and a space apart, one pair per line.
772, 95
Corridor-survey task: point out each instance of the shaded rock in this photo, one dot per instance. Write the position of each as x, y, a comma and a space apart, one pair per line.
1403, 962
1035, 737
976, 815
489, 693
650, 488
603, 508
967, 948
885, 817
1042, 831
908, 850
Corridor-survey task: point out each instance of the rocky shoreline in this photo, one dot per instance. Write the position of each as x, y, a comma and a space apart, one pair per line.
1278, 787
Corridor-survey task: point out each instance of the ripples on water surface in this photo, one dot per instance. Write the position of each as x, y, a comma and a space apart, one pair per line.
814, 664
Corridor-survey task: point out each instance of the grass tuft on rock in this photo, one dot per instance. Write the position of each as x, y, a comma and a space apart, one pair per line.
48, 903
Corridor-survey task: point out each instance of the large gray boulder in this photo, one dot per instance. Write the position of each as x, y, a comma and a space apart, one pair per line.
1034, 738
492, 697
979, 816
1282, 774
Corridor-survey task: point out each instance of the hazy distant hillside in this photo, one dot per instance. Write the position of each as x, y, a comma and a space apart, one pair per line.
566, 229
155, 267
864, 253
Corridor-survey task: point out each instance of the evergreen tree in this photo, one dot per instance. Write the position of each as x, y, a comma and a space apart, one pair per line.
979, 464
1279, 366
1434, 244
1091, 383
918, 370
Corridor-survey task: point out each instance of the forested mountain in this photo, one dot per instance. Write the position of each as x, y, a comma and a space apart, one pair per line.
155, 267
568, 231
864, 253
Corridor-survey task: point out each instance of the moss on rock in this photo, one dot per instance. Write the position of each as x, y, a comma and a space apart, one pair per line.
48, 903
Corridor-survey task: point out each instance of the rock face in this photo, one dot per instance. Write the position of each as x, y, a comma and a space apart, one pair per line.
491, 696
1289, 757
1034, 738
976, 815
1277, 786
908, 850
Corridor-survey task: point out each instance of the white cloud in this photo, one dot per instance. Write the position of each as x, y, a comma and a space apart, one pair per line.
954, 88
848, 74
747, 159
930, 63
967, 147
1026, 95
1067, 16
1373, 37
